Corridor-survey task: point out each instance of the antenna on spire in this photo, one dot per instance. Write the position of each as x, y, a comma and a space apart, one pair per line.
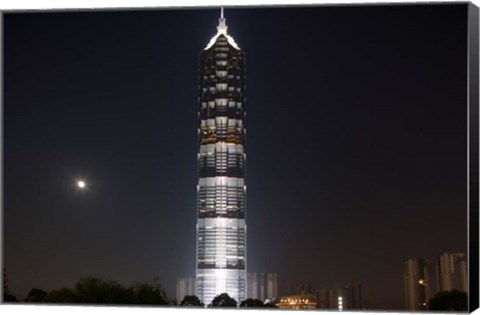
222, 23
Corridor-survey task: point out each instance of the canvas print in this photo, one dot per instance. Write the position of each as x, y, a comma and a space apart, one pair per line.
130, 178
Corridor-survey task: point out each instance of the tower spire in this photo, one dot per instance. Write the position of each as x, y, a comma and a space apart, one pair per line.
222, 23
222, 29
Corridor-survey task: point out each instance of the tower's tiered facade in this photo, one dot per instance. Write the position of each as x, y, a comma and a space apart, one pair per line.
221, 187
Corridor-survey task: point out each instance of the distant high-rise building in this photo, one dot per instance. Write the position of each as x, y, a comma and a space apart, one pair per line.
323, 296
252, 285
221, 187
261, 291
272, 286
339, 299
347, 297
185, 286
417, 284
461, 275
262, 286
353, 294
452, 272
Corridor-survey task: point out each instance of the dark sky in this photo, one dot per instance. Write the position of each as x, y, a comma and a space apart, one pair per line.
356, 143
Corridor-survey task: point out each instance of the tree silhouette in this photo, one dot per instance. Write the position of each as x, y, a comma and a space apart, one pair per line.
449, 301
36, 295
252, 303
95, 290
63, 295
149, 293
7, 297
191, 300
270, 304
223, 300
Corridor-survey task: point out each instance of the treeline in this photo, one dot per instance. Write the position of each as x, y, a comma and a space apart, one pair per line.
224, 300
98, 291
449, 301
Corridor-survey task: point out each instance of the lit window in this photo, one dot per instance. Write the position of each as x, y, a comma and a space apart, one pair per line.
221, 86
221, 101
222, 74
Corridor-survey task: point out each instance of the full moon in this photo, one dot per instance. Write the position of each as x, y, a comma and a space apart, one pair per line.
81, 184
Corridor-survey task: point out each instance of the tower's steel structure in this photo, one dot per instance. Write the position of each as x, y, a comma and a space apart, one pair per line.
221, 188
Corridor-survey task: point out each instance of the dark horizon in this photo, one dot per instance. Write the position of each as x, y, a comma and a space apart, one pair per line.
356, 140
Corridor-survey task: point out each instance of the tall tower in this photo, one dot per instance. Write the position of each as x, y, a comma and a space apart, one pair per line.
221, 188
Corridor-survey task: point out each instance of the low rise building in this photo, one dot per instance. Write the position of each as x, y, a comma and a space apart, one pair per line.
304, 301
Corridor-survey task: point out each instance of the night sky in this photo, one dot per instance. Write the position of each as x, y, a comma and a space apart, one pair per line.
356, 141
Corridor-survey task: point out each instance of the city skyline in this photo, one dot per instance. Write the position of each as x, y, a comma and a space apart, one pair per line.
356, 140
450, 274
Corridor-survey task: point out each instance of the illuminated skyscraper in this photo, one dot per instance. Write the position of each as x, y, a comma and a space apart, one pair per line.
221, 187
